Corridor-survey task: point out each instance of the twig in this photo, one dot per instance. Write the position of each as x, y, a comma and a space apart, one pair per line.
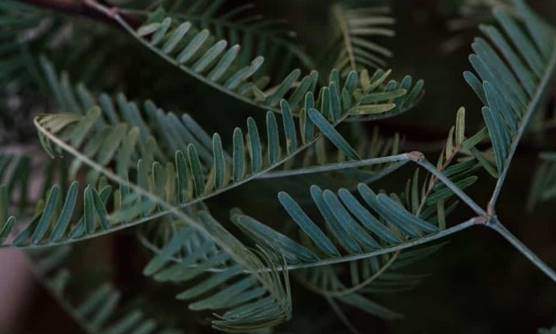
78, 8
533, 106
421, 161
520, 246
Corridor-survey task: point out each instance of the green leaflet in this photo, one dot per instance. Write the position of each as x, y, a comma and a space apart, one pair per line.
289, 128
283, 88
307, 225
352, 228
273, 139
265, 235
198, 175
337, 229
400, 216
219, 161
255, 145
67, 211
239, 155
367, 220
42, 226
332, 134
460, 127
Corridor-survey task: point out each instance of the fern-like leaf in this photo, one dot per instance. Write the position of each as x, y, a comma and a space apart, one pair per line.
513, 70
243, 302
352, 224
241, 25
216, 63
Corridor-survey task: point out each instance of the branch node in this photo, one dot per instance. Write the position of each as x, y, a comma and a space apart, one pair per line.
416, 156
482, 220
111, 12
491, 209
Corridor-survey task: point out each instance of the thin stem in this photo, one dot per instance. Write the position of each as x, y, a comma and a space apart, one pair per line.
209, 227
434, 180
533, 107
242, 27
410, 244
453, 187
384, 172
520, 246
114, 14
161, 213
76, 8
356, 257
338, 166
368, 281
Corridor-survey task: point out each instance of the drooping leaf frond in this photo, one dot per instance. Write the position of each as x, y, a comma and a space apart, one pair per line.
316, 278
242, 302
468, 15
513, 70
241, 25
216, 63
101, 310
